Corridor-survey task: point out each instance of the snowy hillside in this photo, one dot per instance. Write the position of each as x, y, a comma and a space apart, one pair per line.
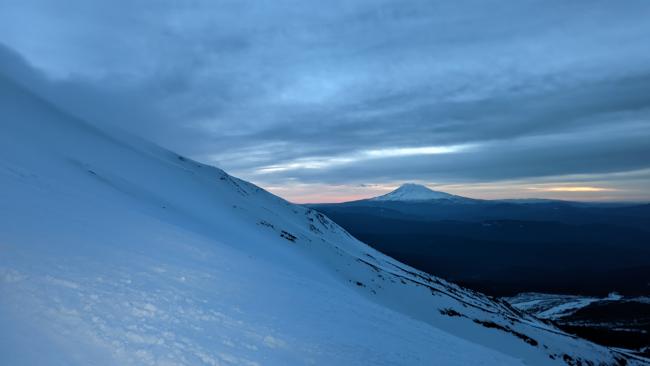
116, 252
416, 192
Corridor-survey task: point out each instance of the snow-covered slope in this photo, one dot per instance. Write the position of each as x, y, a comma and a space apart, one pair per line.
416, 192
114, 251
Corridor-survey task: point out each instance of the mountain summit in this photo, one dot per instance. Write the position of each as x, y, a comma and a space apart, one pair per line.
414, 192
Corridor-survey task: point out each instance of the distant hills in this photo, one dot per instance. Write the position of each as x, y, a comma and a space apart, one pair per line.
504, 247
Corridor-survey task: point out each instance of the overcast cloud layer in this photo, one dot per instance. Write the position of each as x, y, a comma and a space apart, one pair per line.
341, 99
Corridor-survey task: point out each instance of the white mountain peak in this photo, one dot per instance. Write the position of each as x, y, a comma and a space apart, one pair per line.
414, 192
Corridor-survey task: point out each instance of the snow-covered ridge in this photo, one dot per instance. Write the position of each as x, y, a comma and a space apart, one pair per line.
114, 251
415, 192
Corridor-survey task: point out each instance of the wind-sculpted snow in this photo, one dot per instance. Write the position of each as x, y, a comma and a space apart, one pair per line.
114, 251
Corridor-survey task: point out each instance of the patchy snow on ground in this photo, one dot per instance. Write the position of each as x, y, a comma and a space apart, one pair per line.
552, 306
547, 306
114, 251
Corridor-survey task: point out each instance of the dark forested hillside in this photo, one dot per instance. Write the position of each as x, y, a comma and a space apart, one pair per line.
506, 248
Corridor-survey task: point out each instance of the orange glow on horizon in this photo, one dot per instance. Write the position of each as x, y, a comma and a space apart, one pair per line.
316, 198
574, 189
318, 193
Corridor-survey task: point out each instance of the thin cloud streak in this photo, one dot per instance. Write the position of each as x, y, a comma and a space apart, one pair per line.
362, 156
573, 189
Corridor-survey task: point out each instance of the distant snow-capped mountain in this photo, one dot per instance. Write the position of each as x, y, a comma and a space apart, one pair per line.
416, 192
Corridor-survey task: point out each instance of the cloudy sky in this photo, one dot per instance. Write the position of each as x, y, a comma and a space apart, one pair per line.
336, 100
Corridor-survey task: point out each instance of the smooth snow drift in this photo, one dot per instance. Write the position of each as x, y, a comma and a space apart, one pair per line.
415, 192
116, 252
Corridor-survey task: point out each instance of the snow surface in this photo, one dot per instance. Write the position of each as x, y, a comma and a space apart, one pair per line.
415, 192
114, 251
